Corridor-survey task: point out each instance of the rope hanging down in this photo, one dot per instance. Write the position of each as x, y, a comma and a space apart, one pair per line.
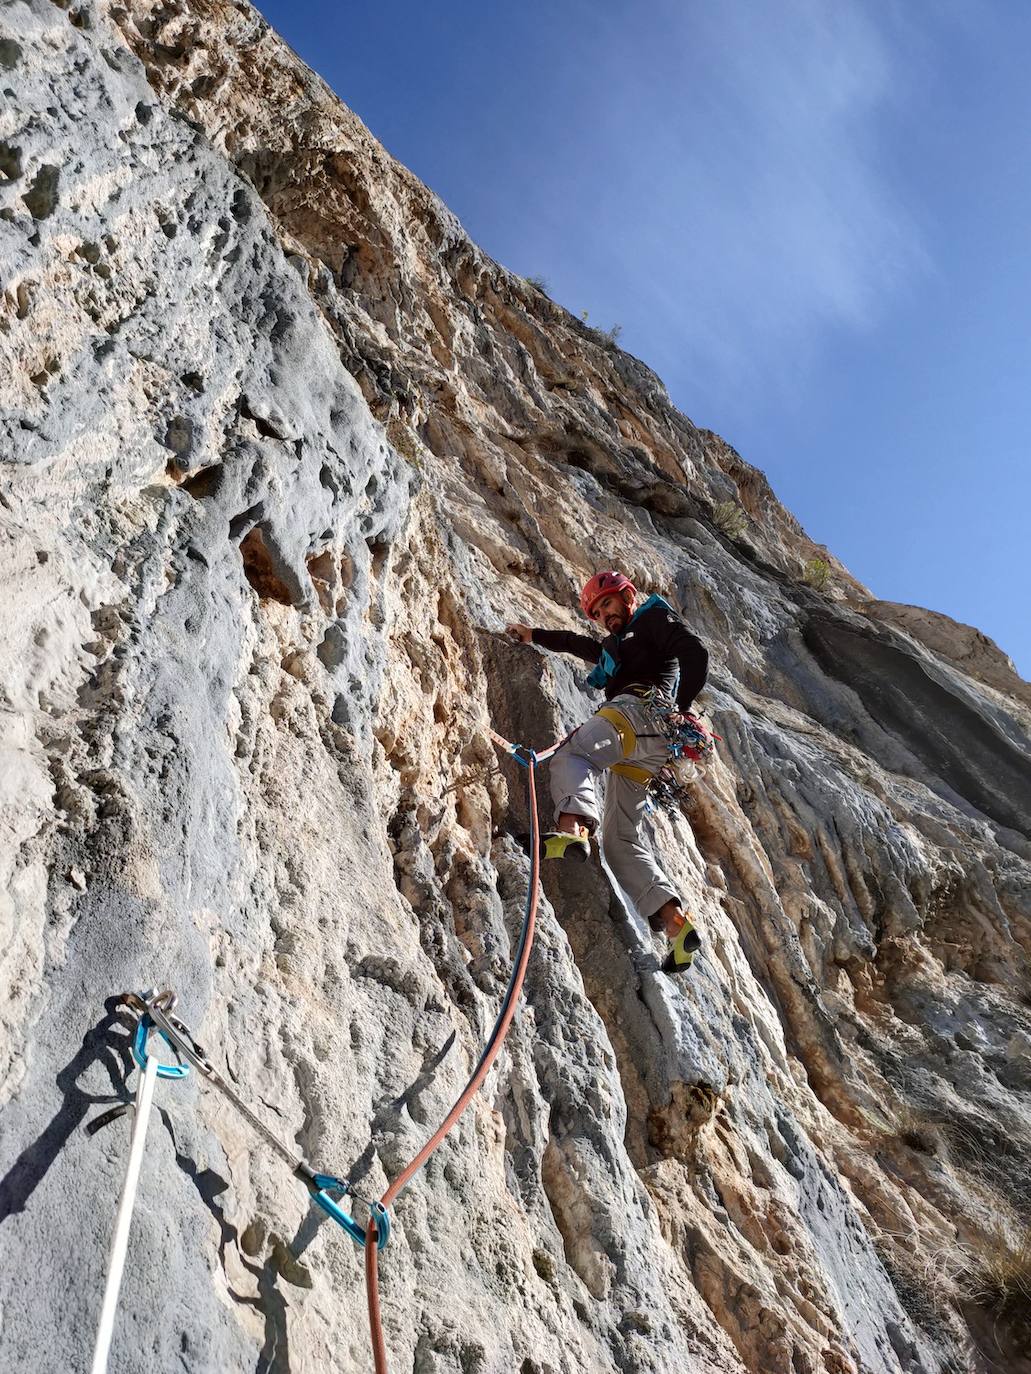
151, 1071
529, 760
156, 1012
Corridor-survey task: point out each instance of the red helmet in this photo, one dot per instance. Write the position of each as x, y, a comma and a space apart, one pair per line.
604, 584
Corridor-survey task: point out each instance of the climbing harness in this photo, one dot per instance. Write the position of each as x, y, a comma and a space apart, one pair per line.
156, 1013
690, 746
627, 733
628, 738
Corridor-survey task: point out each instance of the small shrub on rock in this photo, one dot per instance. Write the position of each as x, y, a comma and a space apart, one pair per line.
816, 574
730, 519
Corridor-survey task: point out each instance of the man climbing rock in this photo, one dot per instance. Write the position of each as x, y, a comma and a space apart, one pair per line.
647, 646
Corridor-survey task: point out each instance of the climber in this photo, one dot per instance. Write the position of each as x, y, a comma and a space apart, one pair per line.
647, 646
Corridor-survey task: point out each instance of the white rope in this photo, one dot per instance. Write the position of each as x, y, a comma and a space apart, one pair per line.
120, 1241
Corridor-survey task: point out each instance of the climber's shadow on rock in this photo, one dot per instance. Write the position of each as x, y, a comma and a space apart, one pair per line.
108, 1045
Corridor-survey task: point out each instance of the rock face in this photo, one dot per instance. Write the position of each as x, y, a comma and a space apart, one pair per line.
283, 451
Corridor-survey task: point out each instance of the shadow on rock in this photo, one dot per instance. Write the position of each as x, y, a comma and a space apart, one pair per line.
109, 1042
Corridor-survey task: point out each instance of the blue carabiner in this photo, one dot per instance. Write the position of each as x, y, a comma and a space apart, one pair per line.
139, 1050
523, 754
322, 1183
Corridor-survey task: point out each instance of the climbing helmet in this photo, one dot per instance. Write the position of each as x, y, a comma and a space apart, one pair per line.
604, 584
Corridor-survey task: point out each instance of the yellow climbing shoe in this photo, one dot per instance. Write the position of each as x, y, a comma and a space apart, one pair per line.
560, 845
682, 949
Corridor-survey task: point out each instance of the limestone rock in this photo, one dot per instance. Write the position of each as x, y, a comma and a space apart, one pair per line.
282, 453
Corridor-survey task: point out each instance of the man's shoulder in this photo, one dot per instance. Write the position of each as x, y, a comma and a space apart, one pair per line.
661, 619
657, 608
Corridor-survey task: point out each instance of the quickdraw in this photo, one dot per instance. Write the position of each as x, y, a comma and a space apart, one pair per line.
155, 1011
691, 747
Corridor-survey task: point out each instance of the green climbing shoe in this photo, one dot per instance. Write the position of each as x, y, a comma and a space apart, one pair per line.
682, 950
560, 845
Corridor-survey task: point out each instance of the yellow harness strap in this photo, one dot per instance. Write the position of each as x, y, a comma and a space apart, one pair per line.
628, 739
627, 733
633, 771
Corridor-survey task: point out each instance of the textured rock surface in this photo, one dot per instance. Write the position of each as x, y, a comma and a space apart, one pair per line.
282, 452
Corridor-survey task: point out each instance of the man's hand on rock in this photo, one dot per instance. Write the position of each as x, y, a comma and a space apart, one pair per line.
521, 632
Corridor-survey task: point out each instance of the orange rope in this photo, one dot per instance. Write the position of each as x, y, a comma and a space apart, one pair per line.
477, 1078
379, 1348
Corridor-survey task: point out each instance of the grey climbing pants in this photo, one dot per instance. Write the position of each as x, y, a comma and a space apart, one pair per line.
593, 749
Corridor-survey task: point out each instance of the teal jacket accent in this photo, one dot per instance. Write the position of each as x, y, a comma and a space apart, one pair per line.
608, 666
655, 648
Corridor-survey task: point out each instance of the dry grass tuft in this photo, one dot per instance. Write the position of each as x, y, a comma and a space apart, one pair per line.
997, 1276
916, 1130
730, 518
403, 440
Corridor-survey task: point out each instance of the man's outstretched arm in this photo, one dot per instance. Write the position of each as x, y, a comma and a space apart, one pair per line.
559, 641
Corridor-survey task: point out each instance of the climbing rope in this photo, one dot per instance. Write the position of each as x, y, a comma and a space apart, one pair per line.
156, 1012
529, 759
151, 1071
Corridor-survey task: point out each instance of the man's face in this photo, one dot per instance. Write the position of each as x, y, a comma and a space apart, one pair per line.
612, 611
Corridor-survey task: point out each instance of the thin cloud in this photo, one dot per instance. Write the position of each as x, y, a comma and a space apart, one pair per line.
749, 187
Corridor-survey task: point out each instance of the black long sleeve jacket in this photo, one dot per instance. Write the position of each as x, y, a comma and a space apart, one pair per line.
655, 649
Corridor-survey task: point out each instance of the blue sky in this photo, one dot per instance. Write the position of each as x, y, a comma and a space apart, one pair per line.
811, 218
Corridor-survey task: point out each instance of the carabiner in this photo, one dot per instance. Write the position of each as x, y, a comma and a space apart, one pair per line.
320, 1185
139, 1050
